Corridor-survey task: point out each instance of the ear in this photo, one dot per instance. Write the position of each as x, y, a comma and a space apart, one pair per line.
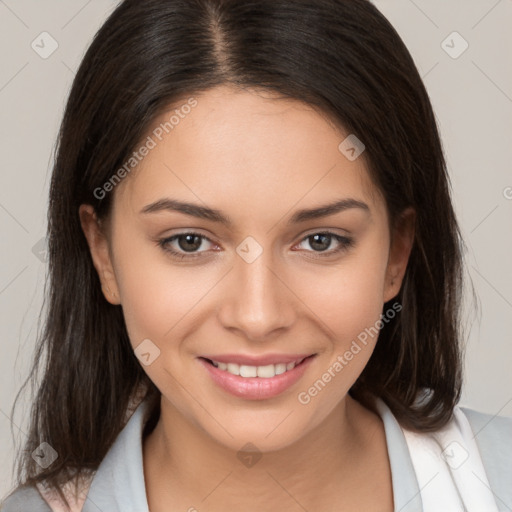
100, 252
402, 239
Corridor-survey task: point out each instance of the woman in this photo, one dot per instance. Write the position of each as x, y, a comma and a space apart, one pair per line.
255, 275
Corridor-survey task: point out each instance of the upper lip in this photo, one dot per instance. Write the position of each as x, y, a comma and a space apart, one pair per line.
250, 360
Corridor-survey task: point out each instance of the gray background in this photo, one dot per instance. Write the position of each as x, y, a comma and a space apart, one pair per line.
472, 96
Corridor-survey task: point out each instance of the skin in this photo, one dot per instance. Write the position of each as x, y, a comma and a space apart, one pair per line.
257, 158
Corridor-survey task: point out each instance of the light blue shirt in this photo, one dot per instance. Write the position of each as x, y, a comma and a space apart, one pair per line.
118, 484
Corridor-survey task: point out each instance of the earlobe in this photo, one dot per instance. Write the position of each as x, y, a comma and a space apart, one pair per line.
399, 252
100, 253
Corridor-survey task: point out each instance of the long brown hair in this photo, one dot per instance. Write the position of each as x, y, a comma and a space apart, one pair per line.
340, 56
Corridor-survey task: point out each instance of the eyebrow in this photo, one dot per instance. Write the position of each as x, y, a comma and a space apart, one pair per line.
202, 212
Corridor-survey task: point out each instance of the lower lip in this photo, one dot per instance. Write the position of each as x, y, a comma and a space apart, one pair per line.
256, 388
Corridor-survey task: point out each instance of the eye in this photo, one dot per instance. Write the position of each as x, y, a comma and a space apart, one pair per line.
321, 242
186, 245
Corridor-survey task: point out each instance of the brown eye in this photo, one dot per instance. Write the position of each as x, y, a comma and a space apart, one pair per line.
186, 246
322, 241
189, 243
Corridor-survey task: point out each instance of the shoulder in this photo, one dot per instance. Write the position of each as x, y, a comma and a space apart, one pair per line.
24, 499
488, 425
493, 436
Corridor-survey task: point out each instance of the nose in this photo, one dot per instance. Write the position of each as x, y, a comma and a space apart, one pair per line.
257, 301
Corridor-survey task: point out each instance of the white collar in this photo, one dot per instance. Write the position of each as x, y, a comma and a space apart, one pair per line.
449, 468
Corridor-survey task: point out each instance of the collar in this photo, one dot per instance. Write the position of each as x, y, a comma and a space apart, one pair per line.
118, 484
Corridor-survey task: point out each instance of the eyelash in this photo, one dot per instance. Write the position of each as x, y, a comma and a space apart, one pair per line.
345, 244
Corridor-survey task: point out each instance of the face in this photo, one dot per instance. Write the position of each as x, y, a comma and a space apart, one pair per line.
252, 275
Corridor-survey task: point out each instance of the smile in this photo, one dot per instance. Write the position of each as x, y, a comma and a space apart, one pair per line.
264, 372
256, 381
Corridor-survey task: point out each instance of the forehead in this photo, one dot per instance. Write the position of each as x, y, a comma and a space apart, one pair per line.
251, 150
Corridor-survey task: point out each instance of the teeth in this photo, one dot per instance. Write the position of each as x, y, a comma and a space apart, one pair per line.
280, 368
248, 371
265, 372
233, 368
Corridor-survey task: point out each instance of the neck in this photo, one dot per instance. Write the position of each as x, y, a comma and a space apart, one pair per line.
185, 466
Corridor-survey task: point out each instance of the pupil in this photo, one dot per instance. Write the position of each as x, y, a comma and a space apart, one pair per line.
190, 240
320, 246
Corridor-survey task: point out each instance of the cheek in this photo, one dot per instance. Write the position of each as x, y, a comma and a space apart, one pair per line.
349, 297
349, 303
156, 294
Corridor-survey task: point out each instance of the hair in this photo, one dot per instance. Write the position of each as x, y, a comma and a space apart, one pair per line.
339, 56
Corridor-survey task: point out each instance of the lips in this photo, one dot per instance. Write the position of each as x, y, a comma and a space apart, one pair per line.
264, 377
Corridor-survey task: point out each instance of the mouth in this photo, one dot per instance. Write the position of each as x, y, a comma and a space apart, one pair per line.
256, 381
267, 371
